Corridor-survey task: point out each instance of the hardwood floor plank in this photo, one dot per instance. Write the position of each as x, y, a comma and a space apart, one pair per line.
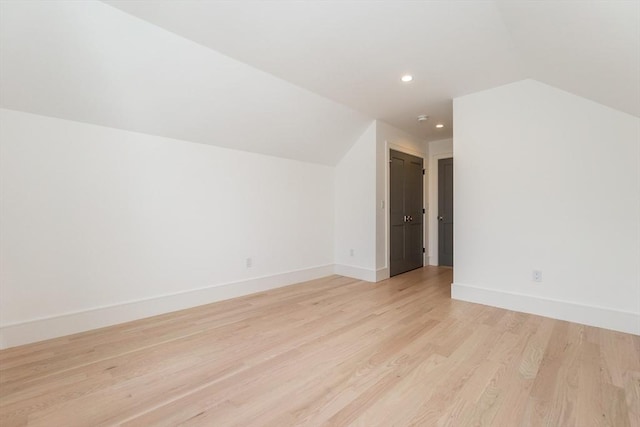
333, 351
338, 346
632, 395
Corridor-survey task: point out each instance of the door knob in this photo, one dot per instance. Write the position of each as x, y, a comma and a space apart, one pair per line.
440, 218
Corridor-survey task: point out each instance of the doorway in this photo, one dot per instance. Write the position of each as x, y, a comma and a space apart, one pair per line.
406, 226
445, 212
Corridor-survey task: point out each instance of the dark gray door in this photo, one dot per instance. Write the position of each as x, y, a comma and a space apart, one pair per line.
405, 208
445, 212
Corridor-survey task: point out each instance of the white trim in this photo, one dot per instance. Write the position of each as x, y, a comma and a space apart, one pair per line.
425, 184
602, 317
382, 274
432, 213
29, 331
355, 272
403, 149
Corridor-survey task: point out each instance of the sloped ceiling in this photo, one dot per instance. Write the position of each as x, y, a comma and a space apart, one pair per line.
89, 62
306, 76
354, 52
589, 48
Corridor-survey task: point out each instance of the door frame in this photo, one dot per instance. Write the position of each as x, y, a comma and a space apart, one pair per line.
387, 215
433, 206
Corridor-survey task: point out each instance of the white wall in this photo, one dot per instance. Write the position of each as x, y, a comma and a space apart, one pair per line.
362, 178
101, 226
549, 181
355, 216
389, 137
437, 150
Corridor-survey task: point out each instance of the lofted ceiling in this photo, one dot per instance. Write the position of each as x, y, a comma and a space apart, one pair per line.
92, 63
301, 79
354, 52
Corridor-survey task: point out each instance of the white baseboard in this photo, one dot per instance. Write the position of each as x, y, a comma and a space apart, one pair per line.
26, 332
602, 317
355, 272
382, 274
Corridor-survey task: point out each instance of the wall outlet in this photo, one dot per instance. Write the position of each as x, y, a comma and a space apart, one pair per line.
249, 262
537, 276
351, 252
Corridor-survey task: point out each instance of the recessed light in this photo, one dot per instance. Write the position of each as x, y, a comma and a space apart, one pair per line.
407, 78
439, 125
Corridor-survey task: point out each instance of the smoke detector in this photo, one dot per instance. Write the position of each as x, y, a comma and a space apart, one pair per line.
423, 118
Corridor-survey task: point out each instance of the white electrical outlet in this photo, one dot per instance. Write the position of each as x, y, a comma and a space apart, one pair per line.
249, 262
537, 276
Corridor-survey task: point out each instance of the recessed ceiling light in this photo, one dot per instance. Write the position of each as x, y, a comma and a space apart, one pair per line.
439, 125
407, 78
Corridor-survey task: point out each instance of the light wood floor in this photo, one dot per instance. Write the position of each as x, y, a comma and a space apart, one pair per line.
334, 351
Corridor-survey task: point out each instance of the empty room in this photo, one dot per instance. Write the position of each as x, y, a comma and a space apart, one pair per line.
320, 213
